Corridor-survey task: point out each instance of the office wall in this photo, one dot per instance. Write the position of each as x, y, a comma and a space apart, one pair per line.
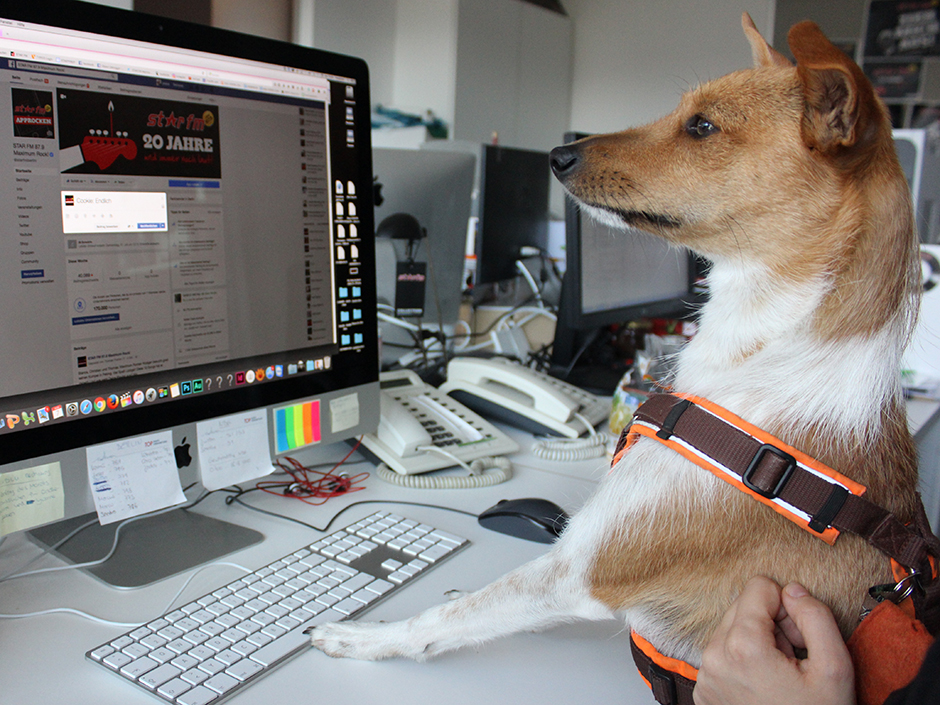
425, 57
839, 20
271, 18
364, 28
632, 60
513, 73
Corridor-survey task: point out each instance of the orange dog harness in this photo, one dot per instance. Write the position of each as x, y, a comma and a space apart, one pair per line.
805, 491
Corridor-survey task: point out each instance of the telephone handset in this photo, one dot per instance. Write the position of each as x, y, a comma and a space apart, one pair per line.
505, 390
420, 428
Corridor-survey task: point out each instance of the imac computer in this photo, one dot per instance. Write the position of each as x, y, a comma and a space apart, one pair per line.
182, 304
436, 187
513, 209
615, 276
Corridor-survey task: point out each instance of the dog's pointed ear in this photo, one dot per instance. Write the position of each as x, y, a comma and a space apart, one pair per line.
763, 53
840, 103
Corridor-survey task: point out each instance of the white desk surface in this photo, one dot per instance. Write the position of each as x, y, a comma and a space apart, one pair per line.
42, 659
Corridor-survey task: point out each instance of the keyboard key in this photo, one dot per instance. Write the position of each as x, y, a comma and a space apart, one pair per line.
136, 650
197, 696
170, 633
174, 688
184, 662
287, 623
434, 553
186, 624
274, 631
196, 637
264, 619
137, 668
212, 628
162, 655
260, 639
365, 596
244, 648
357, 581
117, 660
121, 642
379, 586
279, 648
398, 577
180, 646
228, 657
244, 669
348, 606
221, 683
217, 643
195, 676
158, 676
233, 635
212, 666
154, 641
201, 653
101, 652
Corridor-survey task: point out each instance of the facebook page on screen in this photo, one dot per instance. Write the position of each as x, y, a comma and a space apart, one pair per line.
139, 195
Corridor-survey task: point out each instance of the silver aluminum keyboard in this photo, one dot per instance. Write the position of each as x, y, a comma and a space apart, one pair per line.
220, 643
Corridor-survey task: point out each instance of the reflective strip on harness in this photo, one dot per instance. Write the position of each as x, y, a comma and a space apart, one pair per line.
671, 680
768, 445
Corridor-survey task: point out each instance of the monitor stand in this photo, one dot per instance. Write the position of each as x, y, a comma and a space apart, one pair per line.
150, 549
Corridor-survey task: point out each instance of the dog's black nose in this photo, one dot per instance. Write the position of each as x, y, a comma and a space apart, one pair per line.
564, 160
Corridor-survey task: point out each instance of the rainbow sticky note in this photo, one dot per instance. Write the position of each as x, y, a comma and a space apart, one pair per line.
297, 426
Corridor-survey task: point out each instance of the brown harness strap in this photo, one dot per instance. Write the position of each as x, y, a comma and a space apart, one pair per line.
671, 681
773, 473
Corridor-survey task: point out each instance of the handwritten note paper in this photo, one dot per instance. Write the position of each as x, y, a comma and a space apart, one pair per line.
30, 497
233, 449
133, 476
344, 412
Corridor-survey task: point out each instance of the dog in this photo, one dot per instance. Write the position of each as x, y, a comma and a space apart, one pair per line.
785, 178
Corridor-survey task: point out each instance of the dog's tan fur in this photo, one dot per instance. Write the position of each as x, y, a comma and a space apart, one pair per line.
797, 198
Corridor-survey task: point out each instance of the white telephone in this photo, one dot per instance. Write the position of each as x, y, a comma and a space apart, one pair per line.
422, 430
505, 390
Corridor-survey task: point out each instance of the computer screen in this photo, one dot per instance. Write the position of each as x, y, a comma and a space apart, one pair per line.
614, 276
513, 209
179, 213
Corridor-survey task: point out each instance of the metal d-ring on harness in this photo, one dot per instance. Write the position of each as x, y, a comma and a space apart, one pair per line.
812, 495
893, 592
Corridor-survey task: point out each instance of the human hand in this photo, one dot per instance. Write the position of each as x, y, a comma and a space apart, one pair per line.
750, 659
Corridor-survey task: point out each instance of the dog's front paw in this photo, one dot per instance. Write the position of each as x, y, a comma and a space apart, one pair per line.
367, 641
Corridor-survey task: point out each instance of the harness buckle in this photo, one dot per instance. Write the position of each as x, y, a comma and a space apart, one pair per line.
755, 462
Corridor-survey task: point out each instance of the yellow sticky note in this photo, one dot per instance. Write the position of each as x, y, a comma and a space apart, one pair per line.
30, 497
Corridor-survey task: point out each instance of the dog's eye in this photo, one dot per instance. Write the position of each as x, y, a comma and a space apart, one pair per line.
700, 126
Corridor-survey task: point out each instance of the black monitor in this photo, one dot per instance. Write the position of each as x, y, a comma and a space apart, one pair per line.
174, 202
513, 210
615, 276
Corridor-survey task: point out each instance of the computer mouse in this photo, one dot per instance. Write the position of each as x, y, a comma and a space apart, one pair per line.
529, 518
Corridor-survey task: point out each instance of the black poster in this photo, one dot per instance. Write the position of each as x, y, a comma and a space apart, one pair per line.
903, 28
32, 113
103, 133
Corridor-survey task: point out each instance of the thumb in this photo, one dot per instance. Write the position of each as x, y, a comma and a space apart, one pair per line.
827, 654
